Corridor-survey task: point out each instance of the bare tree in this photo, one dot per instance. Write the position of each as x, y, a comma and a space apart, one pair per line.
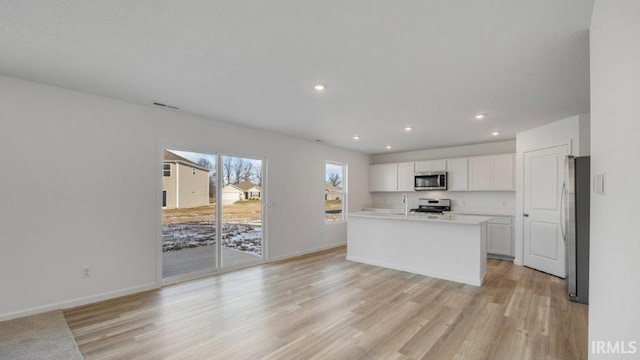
227, 166
247, 171
204, 162
257, 175
238, 170
334, 179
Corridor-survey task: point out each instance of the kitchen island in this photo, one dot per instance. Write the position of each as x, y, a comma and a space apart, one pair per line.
451, 247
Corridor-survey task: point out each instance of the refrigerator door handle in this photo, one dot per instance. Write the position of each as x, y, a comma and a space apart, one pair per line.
564, 188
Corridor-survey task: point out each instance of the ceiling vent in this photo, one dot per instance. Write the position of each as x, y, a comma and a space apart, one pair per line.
167, 106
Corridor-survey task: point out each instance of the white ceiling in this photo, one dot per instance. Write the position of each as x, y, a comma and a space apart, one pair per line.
430, 64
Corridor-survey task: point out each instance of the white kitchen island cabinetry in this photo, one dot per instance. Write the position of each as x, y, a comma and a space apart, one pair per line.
500, 233
450, 247
499, 239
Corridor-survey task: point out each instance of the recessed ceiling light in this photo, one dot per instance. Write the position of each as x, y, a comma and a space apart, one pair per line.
481, 116
356, 137
495, 133
319, 87
388, 147
408, 128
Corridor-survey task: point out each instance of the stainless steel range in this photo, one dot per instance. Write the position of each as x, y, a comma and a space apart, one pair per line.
433, 206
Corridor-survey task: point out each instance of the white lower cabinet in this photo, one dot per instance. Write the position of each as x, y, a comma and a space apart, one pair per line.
500, 239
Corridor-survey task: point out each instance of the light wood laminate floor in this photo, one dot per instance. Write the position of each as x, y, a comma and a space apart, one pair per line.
322, 306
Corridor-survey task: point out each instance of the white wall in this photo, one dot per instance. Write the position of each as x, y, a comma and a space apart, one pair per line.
502, 147
614, 309
67, 205
571, 131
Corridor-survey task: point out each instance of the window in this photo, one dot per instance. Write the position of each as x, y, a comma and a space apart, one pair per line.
166, 170
335, 191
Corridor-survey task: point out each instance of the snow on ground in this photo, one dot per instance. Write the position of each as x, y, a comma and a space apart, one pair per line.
244, 237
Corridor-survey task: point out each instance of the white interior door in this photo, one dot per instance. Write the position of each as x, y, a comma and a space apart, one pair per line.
544, 247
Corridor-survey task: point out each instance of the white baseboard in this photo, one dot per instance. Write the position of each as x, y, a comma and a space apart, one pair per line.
77, 302
306, 252
132, 290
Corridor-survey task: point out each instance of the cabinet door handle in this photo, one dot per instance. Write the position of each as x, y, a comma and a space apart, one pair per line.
525, 215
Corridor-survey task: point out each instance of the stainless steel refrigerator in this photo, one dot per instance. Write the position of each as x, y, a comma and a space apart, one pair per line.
575, 225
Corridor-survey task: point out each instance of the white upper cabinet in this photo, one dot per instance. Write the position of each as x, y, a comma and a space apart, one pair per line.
494, 172
383, 177
406, 176
431, 165
477, 173
503, 172
480, 173
457, 174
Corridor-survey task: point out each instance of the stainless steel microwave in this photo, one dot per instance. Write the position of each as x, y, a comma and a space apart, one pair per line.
434, 180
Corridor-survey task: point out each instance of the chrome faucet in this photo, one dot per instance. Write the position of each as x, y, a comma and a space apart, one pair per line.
405, 201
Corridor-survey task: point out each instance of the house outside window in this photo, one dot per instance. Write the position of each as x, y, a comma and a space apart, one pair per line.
166, 170
335, 191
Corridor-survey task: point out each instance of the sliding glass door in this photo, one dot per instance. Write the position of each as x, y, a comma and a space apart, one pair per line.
242, 216
199, 233
188, 213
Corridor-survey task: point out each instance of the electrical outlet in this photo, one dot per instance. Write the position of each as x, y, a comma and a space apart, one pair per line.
321, 234
85, 273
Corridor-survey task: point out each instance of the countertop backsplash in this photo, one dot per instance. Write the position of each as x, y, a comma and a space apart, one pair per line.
501, 202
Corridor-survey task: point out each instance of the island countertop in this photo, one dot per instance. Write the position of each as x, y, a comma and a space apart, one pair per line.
447, 218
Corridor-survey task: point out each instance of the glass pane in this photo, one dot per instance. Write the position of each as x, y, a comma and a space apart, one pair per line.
333, 207
335, 176
334, 192
189, 213
242, 196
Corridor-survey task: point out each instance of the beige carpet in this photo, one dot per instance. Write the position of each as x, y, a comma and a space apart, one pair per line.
42, 336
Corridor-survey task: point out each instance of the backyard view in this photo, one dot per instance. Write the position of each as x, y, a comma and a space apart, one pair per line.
195, 227
189, 212
334, 192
